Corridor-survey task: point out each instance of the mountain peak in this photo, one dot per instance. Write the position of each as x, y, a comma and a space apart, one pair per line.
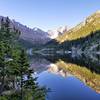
35, 28
56, 32
62, 29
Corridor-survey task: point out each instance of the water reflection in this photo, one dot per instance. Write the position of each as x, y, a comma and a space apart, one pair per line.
69, 78
39, 63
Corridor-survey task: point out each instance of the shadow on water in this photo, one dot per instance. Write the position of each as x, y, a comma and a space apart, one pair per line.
93, 66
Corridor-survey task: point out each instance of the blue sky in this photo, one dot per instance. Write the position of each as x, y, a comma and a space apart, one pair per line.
48, 14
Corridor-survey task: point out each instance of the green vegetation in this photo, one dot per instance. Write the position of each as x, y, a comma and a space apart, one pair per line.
91, 24
17, 81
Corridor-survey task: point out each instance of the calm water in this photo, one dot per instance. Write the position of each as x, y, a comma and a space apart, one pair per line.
64, 84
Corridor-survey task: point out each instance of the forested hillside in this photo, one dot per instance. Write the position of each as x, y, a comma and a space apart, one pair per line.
91, 24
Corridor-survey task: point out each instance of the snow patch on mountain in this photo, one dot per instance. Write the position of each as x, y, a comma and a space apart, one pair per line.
56, 32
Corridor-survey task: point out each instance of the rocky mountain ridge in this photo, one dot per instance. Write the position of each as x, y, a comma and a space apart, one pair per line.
35, 36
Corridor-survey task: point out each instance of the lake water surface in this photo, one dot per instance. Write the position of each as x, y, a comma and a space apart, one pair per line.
67, 79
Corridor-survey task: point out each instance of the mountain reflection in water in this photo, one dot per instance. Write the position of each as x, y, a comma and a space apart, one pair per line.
68, 78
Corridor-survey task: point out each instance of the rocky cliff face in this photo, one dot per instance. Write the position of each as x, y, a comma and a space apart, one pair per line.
35, 35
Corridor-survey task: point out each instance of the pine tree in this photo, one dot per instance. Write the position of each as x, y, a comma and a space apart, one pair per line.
23, 67
28, 85
2, 68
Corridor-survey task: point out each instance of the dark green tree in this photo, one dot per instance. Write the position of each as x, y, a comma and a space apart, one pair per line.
28, 84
